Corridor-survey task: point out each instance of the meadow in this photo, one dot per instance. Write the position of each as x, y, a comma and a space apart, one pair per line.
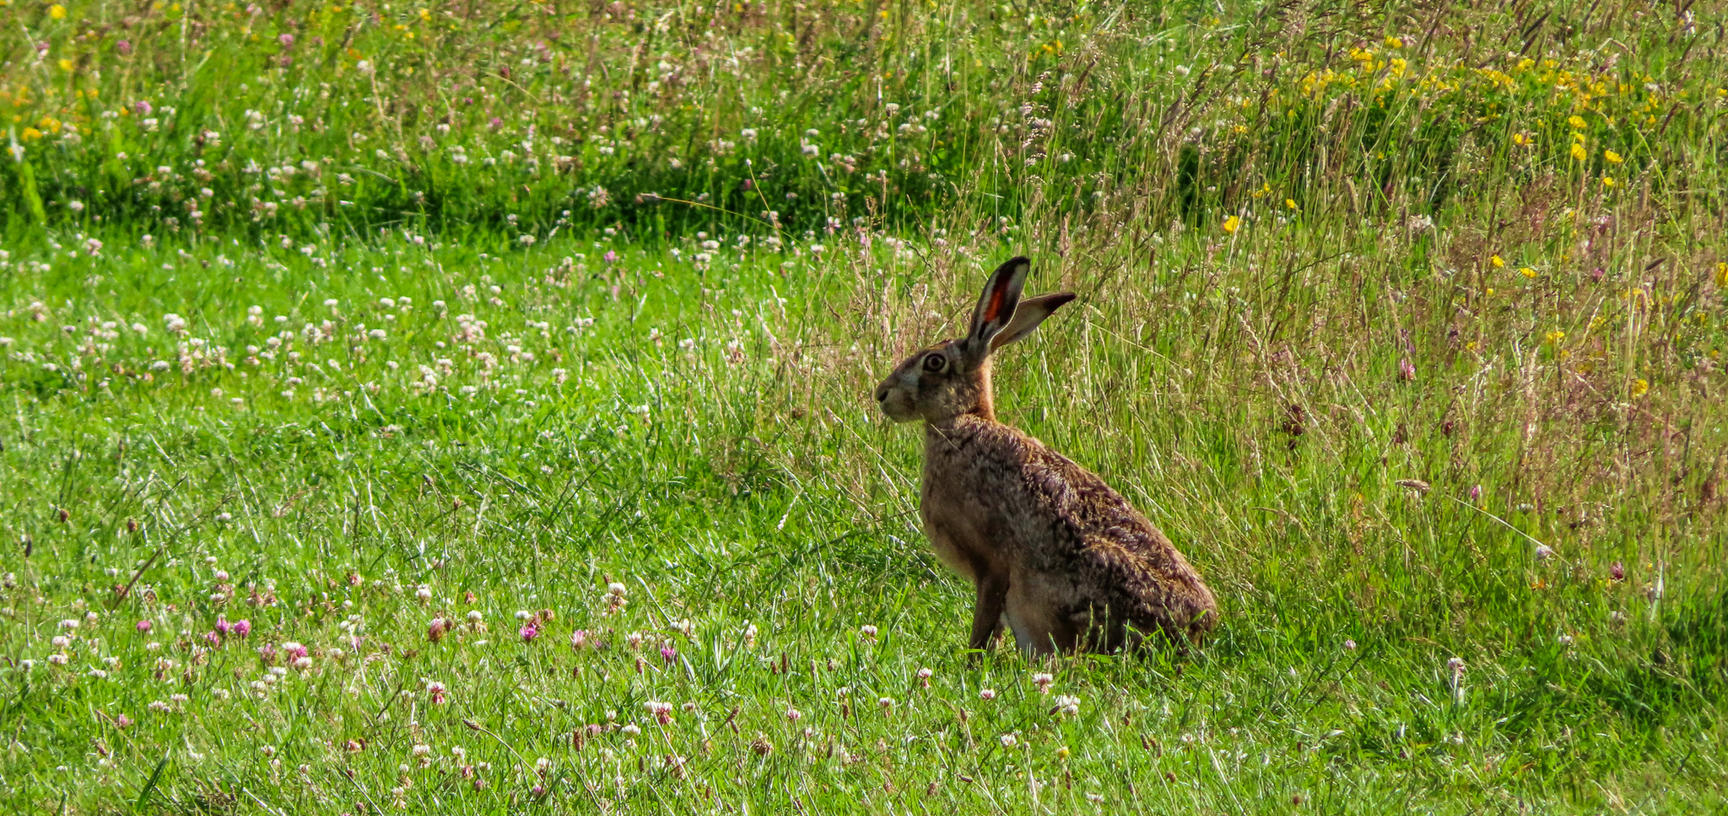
465, 407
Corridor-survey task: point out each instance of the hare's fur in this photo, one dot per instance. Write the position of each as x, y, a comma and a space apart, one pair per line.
1054, 553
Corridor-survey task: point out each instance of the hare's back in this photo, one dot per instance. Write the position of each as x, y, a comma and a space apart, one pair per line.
1114, 553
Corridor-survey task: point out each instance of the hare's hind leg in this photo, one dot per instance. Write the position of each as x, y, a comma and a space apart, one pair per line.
1038, 623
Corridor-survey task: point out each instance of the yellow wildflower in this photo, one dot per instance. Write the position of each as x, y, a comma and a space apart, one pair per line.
1290, 203
1394, 42
1722, 273
1522, 139
1579, 153
1527, 272
30, 134
1577, 122
1607, 181
1612, 157
65, 64
57, 11
1497, 261
1640, 387
1231, 223
1554, 337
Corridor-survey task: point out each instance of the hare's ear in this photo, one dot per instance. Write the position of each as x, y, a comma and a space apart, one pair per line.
996, 305
1028, 315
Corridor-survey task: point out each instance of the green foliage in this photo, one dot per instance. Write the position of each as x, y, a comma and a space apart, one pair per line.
663, 119
406, 364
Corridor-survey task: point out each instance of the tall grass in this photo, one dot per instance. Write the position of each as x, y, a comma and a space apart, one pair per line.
311, 117
1405, 325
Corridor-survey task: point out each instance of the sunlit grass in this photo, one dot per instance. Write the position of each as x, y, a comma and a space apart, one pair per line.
460, 432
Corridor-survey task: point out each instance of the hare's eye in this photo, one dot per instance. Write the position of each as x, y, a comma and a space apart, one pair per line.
935, 362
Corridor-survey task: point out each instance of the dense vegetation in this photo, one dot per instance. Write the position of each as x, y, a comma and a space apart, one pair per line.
465, 407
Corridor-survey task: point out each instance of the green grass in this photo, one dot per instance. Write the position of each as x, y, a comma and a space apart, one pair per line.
1438, 415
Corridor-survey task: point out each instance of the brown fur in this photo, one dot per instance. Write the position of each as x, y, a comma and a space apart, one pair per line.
1055, 554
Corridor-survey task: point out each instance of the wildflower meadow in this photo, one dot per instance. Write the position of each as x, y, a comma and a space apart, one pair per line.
465, 406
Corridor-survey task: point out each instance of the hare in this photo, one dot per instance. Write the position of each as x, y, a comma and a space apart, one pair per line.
1053, 552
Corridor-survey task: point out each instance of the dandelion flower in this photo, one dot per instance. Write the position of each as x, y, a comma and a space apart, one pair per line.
1497, 261
1232, 223
57, 11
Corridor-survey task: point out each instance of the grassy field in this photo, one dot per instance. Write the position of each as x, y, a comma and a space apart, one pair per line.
465, 407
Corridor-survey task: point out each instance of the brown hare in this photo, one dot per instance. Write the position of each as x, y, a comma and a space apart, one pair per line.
1054, 553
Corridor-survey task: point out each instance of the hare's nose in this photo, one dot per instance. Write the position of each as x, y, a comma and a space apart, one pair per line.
881, 393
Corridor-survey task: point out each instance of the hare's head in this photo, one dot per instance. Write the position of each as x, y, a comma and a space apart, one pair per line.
952, 378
